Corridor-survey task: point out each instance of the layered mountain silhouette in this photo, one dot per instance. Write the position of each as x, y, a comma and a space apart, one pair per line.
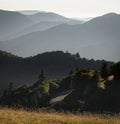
14, 24
55, 64
47, 16
97, 38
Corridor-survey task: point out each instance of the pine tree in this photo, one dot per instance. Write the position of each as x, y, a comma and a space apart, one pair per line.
104, 70
41, 76
77, 55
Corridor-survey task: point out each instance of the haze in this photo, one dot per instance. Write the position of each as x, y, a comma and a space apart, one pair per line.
68, 8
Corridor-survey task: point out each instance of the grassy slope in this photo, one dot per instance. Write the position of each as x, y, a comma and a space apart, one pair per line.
9, 116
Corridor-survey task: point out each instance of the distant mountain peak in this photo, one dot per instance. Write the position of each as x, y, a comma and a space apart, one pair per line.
111, 14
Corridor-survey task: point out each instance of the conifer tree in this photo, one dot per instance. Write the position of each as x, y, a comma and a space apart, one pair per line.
104, 70
41, 76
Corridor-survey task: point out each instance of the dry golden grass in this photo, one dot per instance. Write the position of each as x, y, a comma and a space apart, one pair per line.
12, 116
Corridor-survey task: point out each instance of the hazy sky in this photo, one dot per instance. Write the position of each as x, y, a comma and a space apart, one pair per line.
69, 8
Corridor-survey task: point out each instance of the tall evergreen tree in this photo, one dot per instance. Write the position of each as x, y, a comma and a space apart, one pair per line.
104, 70
77, 55
115, 70
41, 76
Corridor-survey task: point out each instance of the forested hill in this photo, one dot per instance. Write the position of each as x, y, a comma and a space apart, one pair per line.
54, 64
80, 90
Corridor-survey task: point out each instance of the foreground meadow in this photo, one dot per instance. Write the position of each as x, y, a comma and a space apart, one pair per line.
12, 116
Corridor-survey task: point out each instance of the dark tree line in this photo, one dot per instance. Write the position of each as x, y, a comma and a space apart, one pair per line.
91, 91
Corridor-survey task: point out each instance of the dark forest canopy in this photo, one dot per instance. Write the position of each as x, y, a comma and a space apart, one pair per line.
55, 64
81, 90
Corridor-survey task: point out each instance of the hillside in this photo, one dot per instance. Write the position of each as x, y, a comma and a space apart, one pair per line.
81, 90
97, 38
26, 70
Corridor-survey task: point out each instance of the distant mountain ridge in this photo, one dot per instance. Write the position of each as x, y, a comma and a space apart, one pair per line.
11, 22
30, 12
47, 16
15, 23
98, 38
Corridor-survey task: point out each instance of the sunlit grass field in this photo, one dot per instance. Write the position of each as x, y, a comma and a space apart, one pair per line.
13, 116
